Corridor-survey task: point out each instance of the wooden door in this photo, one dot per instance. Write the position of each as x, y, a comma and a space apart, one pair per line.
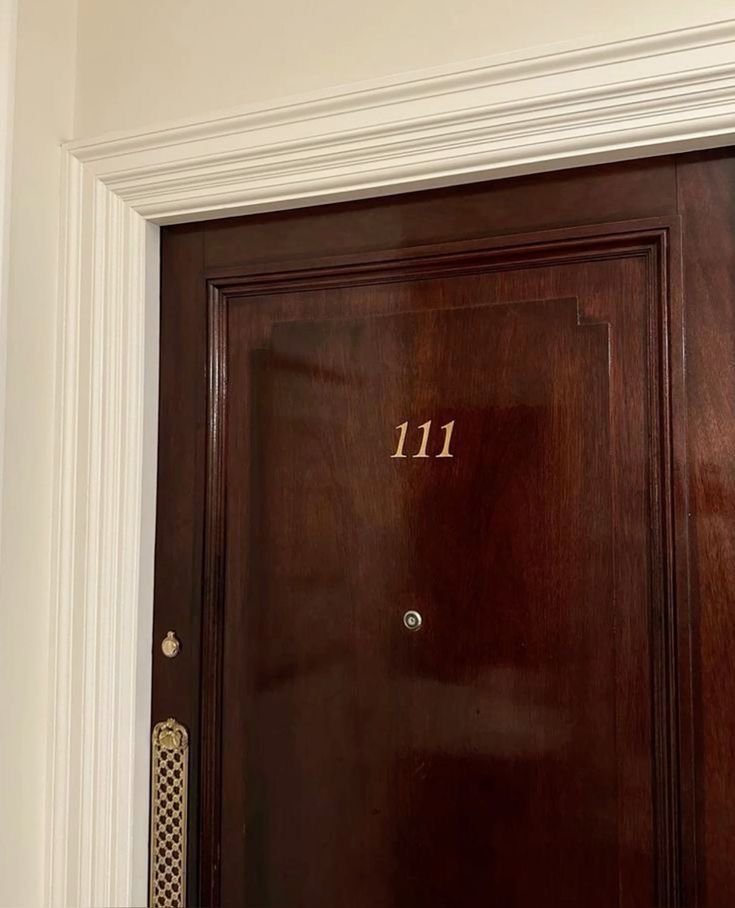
422, 536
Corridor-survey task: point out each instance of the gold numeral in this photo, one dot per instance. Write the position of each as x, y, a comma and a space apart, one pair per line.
448, 429
425, 429
423, 448
403, 428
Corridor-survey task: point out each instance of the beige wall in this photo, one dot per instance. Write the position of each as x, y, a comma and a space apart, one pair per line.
44, 94
143, 62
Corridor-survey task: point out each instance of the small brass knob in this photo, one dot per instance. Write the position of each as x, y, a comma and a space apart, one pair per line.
170, 645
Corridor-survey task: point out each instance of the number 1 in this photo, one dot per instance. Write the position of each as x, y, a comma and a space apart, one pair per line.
448, 429
403, 428
425, 429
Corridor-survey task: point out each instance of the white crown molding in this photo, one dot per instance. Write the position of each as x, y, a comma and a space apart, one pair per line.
515, 114
489, 118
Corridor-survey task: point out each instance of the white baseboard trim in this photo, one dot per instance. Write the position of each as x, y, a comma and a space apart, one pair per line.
514, 114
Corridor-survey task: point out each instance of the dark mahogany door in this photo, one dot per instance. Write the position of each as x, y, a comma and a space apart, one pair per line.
423, 536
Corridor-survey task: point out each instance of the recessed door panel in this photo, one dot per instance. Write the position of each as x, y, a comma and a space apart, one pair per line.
453, 463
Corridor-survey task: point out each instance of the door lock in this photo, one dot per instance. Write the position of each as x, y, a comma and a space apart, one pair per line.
170, 645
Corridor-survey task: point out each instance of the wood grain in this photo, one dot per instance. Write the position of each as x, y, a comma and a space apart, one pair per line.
600, 269
707, 202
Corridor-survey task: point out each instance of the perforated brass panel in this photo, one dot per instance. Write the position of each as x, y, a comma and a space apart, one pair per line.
169, 785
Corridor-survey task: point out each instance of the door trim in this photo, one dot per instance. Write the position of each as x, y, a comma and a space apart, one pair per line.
518, 113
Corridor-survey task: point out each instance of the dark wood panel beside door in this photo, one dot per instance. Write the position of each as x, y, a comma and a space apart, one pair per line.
535, 740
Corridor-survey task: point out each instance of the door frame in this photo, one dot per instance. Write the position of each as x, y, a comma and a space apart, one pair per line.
548, 109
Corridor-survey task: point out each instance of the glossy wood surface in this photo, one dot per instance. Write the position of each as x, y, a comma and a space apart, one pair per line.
546, 737
707, 203
438, 755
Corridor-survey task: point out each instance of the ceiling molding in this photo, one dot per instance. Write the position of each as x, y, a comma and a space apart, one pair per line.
513, 114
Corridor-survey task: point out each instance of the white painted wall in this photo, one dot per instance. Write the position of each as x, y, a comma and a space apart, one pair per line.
142, 63
44, 97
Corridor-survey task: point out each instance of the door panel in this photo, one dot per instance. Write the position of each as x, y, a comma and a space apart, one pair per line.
413, 769
531, 741
440, 754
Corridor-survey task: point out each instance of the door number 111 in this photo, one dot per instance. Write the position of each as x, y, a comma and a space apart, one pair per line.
425, 428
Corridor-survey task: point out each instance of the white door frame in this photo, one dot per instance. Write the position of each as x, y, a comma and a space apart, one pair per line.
519, 113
